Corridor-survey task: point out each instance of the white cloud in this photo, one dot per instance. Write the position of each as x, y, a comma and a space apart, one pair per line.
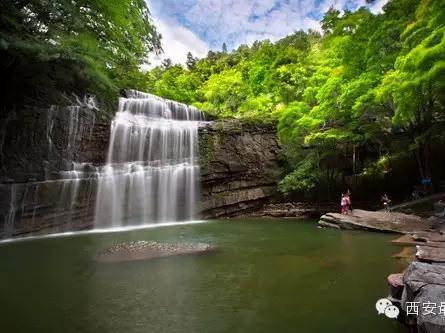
240, 21
377, 6
177, 41
235, 22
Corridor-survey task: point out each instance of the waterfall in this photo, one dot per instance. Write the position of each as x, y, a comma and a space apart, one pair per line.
59, 199
152, 167
150, 174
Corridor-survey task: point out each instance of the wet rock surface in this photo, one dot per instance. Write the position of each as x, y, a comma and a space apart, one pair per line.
146, 250
376, 221
410, 239
425, 283
427, 246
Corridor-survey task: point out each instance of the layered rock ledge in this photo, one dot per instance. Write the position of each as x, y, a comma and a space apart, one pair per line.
239, 167
146, 250
293, 209
376, 221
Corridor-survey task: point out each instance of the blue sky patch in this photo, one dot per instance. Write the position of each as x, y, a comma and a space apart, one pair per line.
202, 25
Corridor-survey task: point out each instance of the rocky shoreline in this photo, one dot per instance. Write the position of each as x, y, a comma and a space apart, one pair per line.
292, 209
419, 291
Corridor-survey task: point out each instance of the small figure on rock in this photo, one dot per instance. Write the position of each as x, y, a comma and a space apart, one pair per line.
386, 201
345, 203
348, 193
342, 203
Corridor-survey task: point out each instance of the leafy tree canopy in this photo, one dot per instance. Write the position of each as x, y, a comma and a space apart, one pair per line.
339, 99
74, 45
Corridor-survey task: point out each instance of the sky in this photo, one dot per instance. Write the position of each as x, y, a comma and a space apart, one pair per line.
202, 25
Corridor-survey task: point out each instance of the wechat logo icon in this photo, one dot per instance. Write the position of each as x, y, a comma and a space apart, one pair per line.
384, 306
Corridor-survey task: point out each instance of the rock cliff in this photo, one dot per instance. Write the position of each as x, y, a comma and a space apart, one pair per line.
239, 167
49, 159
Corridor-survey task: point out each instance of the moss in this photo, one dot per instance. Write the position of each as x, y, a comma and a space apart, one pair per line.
207, 149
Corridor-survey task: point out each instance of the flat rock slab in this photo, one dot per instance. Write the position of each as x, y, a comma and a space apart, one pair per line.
411, 240
376, 221
430, 254
425, 236
146, 250
425, 283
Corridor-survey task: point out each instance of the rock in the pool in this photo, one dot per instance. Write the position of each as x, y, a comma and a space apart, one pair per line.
145, 250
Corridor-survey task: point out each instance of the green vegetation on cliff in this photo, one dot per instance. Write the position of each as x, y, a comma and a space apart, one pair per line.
250, 82
360, 101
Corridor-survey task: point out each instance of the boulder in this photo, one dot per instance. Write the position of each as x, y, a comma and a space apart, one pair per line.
395, 282
425, 283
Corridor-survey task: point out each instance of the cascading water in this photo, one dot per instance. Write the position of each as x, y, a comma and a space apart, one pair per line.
152, 166
59, 199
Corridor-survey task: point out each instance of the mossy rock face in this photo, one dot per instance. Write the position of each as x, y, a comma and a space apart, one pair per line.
239, 166
207, 147
233, 143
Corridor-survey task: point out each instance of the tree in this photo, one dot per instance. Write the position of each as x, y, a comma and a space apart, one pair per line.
351, 104
73, 45
224, 48
330, 20
191, 61
414, 89
338, 114
166, 63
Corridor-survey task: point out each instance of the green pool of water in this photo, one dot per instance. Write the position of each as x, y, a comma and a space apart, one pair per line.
267, 276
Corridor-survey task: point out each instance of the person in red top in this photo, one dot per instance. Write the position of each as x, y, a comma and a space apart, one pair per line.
345, 203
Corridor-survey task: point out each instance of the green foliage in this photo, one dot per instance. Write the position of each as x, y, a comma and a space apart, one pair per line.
369, 70
302, 180
249, 82
72, 45
414, 88
338, 99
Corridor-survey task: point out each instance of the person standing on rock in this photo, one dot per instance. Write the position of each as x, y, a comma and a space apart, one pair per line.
348, 195
386, 201
344, 203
